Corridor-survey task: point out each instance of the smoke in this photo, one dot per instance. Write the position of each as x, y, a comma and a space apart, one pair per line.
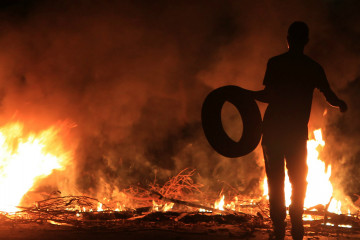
343, 151
132, 76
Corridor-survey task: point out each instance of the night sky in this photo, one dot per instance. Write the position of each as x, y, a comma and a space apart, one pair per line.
132, 76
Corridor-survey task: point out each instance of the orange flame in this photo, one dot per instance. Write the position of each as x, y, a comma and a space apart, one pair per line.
319, 189
25, 159
219, 204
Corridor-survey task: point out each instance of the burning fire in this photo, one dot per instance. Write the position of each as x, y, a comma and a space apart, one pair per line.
319, 189
26, 158
219, 204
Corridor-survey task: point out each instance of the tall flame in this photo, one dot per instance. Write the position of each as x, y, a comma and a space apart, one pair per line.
219, 204
319, 189
24, 159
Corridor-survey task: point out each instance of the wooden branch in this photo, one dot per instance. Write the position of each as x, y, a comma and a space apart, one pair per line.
336, 219
185, 203
326, 210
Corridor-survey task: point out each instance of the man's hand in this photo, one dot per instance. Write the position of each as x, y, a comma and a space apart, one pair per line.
342, 105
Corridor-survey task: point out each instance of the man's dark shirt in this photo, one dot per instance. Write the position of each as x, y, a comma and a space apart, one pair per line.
290, 80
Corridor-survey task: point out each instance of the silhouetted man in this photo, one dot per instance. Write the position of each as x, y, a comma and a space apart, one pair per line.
290, 80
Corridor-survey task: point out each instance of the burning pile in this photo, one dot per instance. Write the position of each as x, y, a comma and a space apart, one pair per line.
26, 158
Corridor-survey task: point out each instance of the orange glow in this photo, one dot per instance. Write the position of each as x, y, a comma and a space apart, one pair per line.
219, 204
158, 207
26, 158
100, 207
319, 189
168, 206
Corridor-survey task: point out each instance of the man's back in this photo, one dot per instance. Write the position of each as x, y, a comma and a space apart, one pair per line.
291, 78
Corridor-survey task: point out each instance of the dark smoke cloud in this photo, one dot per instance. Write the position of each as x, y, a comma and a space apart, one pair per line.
133, 75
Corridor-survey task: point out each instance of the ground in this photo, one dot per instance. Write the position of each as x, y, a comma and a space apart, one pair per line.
44, 231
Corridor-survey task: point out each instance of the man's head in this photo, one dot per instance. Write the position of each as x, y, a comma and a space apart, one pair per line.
298, 35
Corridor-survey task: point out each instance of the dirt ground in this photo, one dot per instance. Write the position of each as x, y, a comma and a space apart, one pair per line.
39, 232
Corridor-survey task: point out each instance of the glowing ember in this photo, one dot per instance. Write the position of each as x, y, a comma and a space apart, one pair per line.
219, 204
319, 189
158, 207
24, 159
155, 206
99, 208
168, 206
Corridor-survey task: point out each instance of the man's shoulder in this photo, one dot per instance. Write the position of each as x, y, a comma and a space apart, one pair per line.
278, 58
312, 62
287, 57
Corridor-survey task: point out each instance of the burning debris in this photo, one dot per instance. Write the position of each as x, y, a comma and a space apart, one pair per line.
178, 205
153, 210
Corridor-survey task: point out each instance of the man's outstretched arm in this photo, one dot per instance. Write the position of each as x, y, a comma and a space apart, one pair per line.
333, 100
